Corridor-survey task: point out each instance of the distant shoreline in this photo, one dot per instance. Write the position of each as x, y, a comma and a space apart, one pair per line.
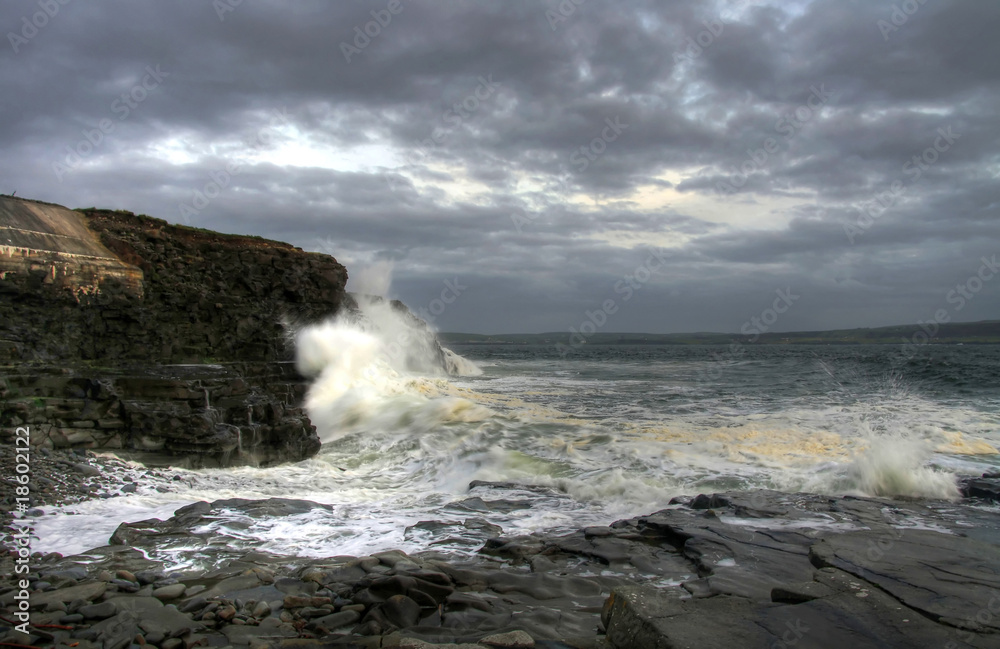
639, 343
965, 333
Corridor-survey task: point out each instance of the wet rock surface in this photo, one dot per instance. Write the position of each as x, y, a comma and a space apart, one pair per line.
179, 415
755, 569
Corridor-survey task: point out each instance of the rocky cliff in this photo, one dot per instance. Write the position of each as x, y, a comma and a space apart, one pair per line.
100, 309
206, 297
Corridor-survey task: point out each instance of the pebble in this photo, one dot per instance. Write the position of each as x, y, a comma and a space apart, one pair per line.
297, 601
401, 611
195, 604
406, 566
167, 593
261, 610
125, 585
87, 470
76, 574
126, 575
165, 581
148, 576
337, 620
290, 586
98, 611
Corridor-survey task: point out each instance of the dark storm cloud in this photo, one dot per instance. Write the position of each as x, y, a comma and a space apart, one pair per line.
541, 155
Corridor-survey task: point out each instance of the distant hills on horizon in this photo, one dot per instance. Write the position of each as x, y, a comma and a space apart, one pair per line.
983, 332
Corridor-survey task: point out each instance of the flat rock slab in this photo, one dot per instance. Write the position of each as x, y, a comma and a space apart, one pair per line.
853, 616
231, 586
98, 611
542, 586
247, 634
643, 618
89, 591
148, 614
944, 576
411, 643
138, 605
509, 640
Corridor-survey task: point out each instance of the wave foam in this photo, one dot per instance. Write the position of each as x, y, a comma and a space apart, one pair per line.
379, 371
893, 466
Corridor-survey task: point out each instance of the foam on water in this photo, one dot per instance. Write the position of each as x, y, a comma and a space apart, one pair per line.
896, 466
364, 376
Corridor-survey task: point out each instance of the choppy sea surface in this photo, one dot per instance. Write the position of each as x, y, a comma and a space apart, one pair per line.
600, 434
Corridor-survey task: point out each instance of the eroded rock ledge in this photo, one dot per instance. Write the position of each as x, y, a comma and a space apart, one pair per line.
191, 416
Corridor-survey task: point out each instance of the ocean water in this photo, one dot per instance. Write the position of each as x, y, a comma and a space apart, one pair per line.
599, 434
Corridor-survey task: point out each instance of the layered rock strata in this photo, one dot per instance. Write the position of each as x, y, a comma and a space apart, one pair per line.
98, 310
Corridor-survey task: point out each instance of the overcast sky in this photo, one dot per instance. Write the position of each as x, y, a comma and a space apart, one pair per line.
538, 154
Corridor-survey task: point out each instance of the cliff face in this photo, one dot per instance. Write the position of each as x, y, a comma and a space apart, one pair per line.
178, 415
92, 337
54, 246
205, 297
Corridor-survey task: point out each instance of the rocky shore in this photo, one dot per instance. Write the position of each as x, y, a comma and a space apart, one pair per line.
63, 478
746, 569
